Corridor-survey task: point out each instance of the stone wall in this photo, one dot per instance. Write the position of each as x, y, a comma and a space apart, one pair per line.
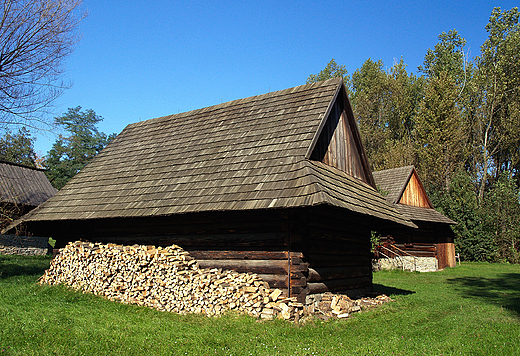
410, 263
23, 245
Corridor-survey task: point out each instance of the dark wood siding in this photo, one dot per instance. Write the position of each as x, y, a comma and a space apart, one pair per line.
300, 251
336, 248
337, 146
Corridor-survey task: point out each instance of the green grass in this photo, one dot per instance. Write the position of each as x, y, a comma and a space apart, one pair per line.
470, 310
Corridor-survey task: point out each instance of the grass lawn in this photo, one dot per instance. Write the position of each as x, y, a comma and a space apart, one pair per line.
473, 309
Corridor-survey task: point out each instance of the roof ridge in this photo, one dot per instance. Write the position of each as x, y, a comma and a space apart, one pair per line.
310, 86
394, 169
22, 165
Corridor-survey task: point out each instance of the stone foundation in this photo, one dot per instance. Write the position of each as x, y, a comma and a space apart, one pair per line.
23, 245
410, 263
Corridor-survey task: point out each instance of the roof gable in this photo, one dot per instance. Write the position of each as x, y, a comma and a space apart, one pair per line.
338, 143
241, 155
403, 187
414, 193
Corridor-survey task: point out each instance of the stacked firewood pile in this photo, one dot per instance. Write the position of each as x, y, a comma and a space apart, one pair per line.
328, 305
169, 279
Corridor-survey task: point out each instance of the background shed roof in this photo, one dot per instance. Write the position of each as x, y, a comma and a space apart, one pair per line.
22, 185
392, 183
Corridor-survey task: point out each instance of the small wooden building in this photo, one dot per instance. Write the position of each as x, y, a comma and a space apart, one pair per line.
434, 238
277, 184
22, 189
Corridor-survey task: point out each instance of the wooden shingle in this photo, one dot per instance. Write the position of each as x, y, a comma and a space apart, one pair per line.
245, 154
24, 186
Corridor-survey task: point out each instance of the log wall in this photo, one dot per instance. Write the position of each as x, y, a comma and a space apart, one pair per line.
299, 251
337, 250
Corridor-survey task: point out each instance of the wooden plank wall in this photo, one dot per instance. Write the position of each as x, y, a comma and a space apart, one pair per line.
446, 255
414, 193
336, 146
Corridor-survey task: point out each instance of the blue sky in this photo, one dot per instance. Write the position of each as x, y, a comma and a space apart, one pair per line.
138, 60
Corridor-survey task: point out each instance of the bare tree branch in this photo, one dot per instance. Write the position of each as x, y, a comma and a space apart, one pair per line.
35, 38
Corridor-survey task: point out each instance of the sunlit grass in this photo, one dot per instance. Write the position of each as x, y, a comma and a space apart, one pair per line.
470, 310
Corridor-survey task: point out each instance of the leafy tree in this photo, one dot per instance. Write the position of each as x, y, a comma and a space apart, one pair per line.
405, 95
331, 70
501, 212
459, 124
440, 132
447, 56
18, 148
460, 204
70, 154
35, 38
372, 106
498, 80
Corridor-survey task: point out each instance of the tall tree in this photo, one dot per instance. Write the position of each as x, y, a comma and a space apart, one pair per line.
405, 95
18, 148
372, 106
446, 56
440, 132
35, 38
70, 154
501, 212
498, 79
460, 204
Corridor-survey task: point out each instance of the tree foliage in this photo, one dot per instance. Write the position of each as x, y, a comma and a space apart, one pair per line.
35, 38
18, 148
69, 154
459, 124
498, 87
331, 70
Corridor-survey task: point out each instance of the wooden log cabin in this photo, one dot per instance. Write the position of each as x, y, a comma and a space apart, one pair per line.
276, 184
434, 236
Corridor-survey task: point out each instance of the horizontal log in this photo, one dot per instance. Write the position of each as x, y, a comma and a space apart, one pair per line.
300, 292
346, 232
297, 275
228, 218
334, 215
335, 285
238, 255
416, 247
301, 282
296, 260
131, 228
322, 274
328, 260
296, 254
251, 266
337, 247
279, 281
232, 242
304, 267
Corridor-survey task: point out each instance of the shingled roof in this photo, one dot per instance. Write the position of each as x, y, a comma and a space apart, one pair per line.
23, 185
394, 182
246, 154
